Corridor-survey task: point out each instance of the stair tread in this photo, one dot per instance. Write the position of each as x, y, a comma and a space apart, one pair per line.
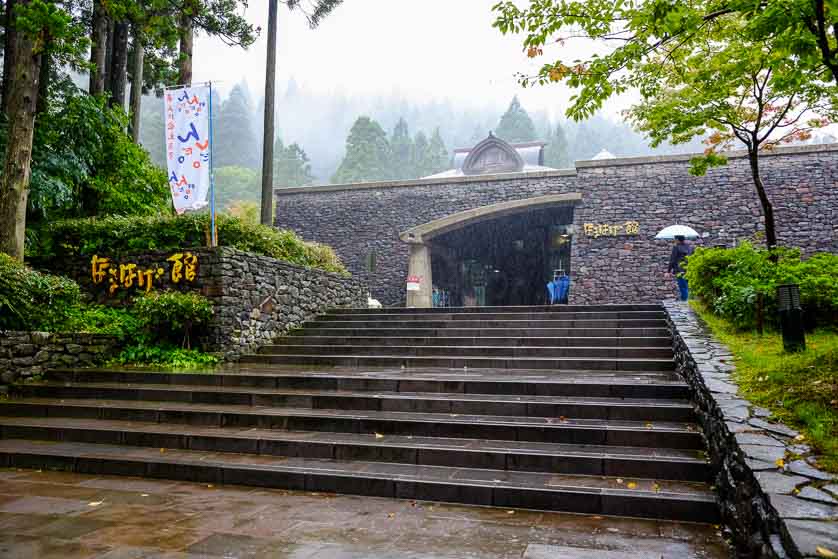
453, 396
361, 439
441, 374
519, 359
475, 347
523, 481
419, 417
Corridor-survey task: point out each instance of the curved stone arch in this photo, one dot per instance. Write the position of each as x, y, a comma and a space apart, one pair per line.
511, 163
427, 231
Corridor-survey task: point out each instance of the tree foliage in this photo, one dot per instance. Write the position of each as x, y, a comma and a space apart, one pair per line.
236, 143
516, 125
291, 165
367, 154
633, 32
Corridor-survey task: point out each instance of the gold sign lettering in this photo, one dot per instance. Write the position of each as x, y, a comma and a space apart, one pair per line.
184, 267
597, 230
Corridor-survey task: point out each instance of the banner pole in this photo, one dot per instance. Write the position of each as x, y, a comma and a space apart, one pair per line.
213, 233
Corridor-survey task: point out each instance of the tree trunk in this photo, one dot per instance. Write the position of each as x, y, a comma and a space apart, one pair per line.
119, 65
137, 85
14, 184
108, 57
268, 138
44, 78
99, 49
8, 54
767, 208
187, 38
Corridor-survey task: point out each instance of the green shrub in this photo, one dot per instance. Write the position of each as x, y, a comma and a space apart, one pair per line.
164, 356
100, 319
118, 235
730, 282
30, 300
170, 316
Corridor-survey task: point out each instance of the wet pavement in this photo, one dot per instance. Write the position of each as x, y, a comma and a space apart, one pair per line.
63, 515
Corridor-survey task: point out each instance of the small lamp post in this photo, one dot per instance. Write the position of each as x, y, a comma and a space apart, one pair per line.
791, 317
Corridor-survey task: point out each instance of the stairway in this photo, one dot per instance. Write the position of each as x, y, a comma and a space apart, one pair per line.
571, 408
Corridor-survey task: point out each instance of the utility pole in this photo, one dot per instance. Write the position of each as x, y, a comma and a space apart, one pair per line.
268, 138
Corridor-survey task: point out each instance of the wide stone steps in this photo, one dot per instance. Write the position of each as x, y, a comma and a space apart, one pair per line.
598, 460
431, 402
466, 351
485, 341
569, 408
635, 384
531, 490
426, 424
469, 361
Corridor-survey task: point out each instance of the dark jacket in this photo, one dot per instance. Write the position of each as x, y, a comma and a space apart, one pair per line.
679, 252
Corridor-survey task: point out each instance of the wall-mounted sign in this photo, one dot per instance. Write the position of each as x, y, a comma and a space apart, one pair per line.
611, 230
413, 283
183, 266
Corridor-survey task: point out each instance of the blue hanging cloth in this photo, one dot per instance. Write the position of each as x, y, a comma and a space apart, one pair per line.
563, 289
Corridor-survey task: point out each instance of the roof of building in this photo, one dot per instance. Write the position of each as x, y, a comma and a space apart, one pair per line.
494, 155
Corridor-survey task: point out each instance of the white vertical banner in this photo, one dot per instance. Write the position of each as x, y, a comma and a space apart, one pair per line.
188, 145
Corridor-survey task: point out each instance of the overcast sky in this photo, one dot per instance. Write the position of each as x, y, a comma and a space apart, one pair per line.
423, 49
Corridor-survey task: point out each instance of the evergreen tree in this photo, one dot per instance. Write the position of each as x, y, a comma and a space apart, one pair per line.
291, 165
236, 143
401, 153
438, 158
420, 165
556, 152
515, 124
367, 153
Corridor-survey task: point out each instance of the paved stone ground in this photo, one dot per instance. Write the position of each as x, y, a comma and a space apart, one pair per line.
61, 515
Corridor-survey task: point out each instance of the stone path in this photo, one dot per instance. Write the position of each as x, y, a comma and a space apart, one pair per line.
69, 516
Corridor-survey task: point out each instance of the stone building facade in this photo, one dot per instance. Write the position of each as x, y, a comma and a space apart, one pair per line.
618, 205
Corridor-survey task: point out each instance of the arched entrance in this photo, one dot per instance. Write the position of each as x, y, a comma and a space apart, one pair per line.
500, 254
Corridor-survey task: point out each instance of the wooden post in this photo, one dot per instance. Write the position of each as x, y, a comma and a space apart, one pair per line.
268, 139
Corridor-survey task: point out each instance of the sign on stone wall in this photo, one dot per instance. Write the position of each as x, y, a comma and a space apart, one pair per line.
597, 230
182, 267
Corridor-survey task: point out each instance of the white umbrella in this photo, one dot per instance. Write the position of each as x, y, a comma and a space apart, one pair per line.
673, 231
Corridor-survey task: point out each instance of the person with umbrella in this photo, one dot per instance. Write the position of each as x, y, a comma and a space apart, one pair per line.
680, 252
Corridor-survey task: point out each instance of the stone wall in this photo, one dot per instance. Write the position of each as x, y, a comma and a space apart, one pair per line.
28, 354
654, 191
255, 298
773, 499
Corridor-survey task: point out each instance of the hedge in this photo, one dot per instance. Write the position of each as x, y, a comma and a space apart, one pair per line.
120, 235
30, 300
730, 281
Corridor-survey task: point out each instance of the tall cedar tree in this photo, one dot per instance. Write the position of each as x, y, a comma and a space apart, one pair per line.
235, 140
556, 153
401, 152
319, 10
515, 124
367, 154
438, 157
291, 166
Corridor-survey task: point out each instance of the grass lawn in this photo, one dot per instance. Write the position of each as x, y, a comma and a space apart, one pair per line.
800, 389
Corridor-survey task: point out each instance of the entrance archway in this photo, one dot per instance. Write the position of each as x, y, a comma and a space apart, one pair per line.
503, 253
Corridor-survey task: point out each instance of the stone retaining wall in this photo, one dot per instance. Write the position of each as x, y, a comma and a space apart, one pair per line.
28, 354
773, 499
255, 298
